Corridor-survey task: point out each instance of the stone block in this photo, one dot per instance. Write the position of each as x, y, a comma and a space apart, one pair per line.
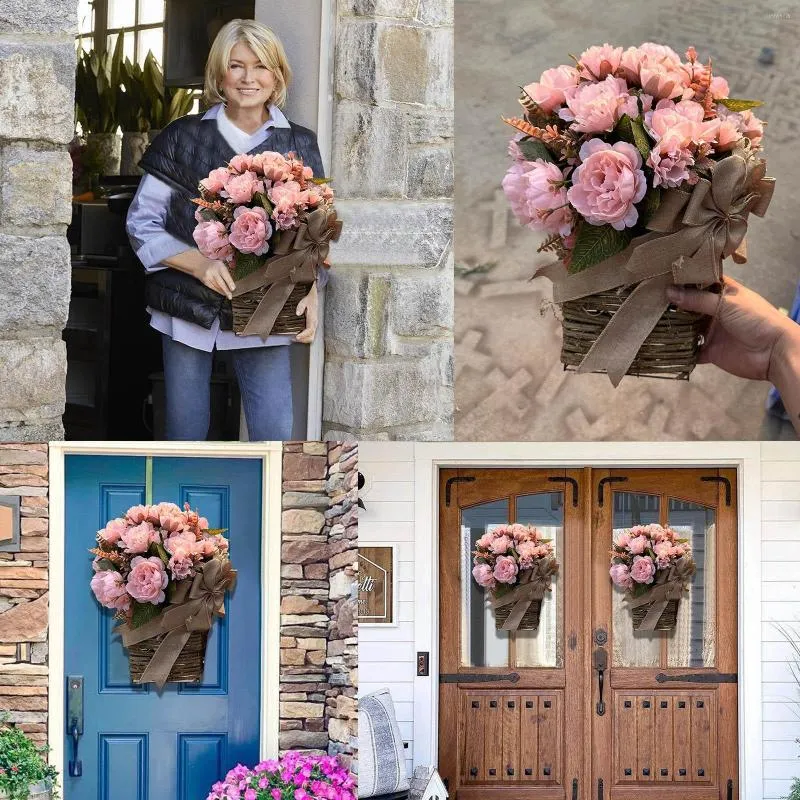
294, 657
291, 571
48, 431
315, 448
430, 172
435, 12
32, 379
356, 312
38, 100
316, 571
292, 604
422, 305
301, 710
355, 76
312, 644
340, 730
39, 16
302, 520
35, 188
34, 526
14, 456
25, 623
304, 500
303, 740
301, 467
430, 126
315, 657
341, 586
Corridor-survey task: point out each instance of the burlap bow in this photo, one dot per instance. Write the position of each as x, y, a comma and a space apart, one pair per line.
691, 232
295, 259
533, 583
670, 585
192, 609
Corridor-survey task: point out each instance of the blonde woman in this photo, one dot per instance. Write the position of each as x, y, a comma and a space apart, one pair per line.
188, 295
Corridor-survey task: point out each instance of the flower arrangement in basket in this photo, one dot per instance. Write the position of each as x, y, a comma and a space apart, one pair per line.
654, 566
516, 565
165, 573
296, 776
642, 172
270, 220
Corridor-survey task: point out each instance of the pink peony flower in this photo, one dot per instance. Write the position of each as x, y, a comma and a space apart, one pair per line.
181, 565
637, 545
624, 539
684, 118
108, 586
501, 545
663, 551
656, 68
514, 151
207, 546
597, 107
139, 538
147, 580
273, 166
171, 522
600, 62
643, 569
241, 162
485, 541
671, 159
138, 514
733, 125
483, 576
548, 93
528, 551
608, 183
537, 197
215, 182
202, 523
719, 88
184, 540
241, 188
211, 238
251, 230
113, 530
505, 570
621, 575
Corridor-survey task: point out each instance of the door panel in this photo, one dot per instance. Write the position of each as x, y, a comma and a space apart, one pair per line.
139, 743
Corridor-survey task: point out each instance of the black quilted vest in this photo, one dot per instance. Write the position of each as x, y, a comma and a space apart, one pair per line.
181, 156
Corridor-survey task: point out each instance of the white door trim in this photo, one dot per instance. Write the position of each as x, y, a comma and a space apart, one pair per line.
270, 454
745, 456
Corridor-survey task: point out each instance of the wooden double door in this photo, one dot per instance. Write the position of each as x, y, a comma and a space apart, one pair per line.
586, 707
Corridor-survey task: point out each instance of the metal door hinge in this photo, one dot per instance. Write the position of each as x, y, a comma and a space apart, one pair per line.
601, 487
478, 677
448, 487
572, 482
720, 479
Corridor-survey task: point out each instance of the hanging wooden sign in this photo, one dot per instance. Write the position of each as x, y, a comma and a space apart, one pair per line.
376, 585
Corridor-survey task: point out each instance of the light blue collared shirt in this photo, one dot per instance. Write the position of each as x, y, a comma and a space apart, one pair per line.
153, 243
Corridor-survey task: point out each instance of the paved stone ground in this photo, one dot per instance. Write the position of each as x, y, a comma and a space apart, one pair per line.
509, 382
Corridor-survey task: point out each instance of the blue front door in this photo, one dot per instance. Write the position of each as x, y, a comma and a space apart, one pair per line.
138, 743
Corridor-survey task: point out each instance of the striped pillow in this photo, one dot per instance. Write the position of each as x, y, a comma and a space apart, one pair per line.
381, 761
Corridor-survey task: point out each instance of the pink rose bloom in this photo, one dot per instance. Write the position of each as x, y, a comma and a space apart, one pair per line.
719, 88
528, 551
185, 540
181, 565
241, 162
113, 530
643, 569
485, 542
286, 195
206, 547
483, 576
596, 107
273, 166
505, 570
215, 182
671, 159
656, 68
600, 62
648, 53
211, 238
663, 551
202, 523
171, 522
501, 545
608, 183
139, 538
165, 508
621, 575
241, 188
147, 580
536, 196
523, 533
548, 93
684, 118
624, 539
251, 230
637, 545
138, 514
108, 586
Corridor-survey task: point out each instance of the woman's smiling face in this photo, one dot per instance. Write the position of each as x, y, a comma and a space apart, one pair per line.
247, 82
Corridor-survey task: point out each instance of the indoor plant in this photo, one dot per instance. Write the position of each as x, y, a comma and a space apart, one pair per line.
24, 771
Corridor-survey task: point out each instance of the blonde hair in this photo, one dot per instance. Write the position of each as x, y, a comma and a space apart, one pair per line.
262, 41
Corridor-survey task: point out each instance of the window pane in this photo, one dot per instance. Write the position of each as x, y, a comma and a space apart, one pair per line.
121, 13
632, 648
151, 11
85, 16
482, 645
151, 39
543, 647
693, 642
127, 47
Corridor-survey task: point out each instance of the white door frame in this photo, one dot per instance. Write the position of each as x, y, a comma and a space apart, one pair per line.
745, 456
270, 454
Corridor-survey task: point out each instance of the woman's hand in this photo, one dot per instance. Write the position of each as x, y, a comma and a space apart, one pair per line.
213, 274
309, 306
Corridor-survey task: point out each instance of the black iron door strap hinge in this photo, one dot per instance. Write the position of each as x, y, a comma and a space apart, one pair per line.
699, 677
478, 677
574, 789
720, 479
448, 487
601, 484
572, 482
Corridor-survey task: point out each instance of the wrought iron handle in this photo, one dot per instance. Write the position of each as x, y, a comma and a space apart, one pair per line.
574, 789
730, 788
600, 664
75, 766
74, 716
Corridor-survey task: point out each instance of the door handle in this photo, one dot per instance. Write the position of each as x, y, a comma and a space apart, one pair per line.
574, 789
75, 721
601, 665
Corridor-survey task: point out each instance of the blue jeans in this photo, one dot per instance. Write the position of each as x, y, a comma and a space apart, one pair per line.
265, 383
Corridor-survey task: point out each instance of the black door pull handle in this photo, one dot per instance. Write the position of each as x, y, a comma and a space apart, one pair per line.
600, 664
75, 766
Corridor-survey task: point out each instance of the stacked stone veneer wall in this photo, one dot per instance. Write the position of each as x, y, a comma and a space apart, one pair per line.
23, 592
318, 561
37, 75
389, 308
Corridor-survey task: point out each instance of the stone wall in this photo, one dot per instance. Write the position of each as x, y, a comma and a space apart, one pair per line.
389, 309
37, 73
23, 592
318, 638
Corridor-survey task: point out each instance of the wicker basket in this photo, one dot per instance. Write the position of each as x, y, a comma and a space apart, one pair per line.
287, 322
188, 667
667, 620
530, 620
670, 351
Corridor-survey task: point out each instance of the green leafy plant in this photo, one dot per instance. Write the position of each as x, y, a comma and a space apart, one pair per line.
162, 104
97, 82
794, 792
22, 763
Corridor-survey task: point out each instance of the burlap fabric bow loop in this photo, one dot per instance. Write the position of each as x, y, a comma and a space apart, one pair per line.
295, 259
690, 233
533, 583
192, 609
670, 585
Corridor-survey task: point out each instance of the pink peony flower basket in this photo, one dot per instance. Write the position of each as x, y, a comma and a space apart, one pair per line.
286, 323
188, 667
529, 621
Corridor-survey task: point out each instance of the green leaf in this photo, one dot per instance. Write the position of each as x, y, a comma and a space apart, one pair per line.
739, 105
633, 132
158, 549
246, 263
261, 197
649, 204
216, 531
143, 612
596, 243
208, 215
533, 148
104, 563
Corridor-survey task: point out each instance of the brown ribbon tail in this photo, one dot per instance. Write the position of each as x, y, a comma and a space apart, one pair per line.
157, 671
652, 616
263, 319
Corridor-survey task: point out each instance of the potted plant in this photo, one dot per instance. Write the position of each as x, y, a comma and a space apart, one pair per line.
162, 104
24, 771
131, 102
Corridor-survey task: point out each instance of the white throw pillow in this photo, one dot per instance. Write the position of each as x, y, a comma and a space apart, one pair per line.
381, 761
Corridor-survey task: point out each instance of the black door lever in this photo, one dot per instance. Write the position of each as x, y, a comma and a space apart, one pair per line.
601, 665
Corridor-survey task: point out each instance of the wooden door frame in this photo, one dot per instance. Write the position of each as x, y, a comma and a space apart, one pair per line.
744, 456
270, 454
